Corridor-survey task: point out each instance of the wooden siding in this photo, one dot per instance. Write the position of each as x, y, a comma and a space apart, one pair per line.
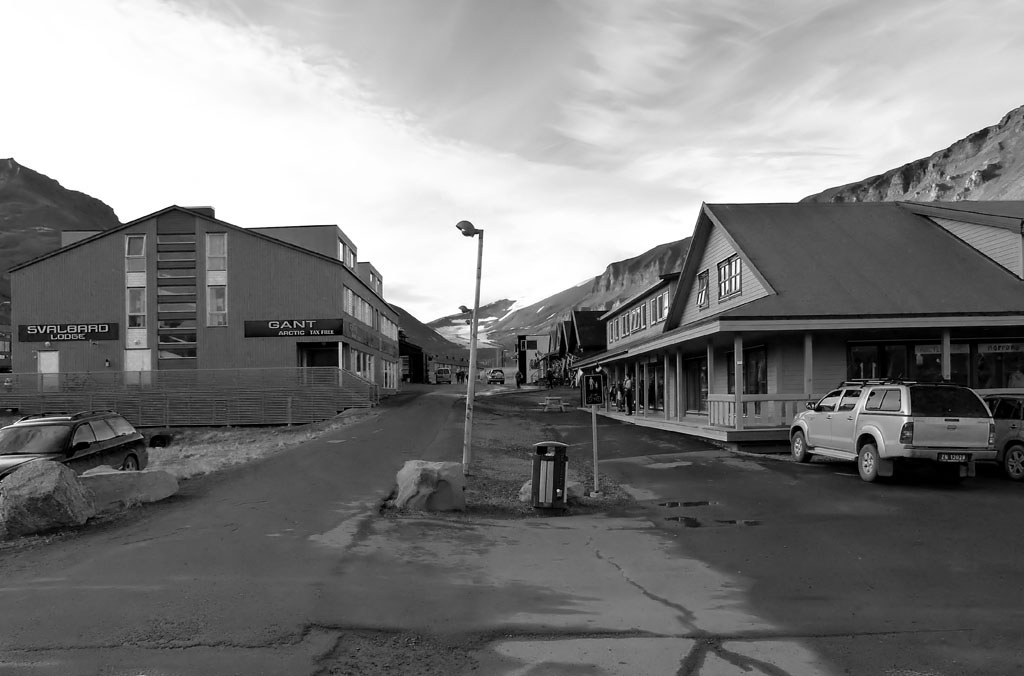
1002, 246
646, 332
718, 249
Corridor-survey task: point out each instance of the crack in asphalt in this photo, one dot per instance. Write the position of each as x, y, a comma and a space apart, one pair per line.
686, 616
694, 661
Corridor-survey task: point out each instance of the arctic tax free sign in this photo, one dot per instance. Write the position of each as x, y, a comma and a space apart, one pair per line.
280, 328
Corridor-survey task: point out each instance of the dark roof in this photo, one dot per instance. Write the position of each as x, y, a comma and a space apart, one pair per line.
590, 330
863, 259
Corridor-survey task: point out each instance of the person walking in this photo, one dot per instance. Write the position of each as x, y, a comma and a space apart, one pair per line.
627, 385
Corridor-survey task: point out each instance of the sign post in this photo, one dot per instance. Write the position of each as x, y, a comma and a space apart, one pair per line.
593, 396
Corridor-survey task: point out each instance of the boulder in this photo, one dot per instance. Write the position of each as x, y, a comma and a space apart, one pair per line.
112, 489
41, 496
430, 486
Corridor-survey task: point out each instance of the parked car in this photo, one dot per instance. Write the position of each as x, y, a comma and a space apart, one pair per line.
1008, 413
79, 440
878, 423
443, 374
496, 376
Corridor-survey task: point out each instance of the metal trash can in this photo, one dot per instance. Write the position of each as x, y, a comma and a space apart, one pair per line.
549, 465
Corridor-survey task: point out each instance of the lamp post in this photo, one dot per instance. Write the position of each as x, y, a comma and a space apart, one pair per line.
467, 230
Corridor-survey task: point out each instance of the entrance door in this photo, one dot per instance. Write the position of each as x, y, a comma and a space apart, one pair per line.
138, 366
312, 355
695, 377
49, 370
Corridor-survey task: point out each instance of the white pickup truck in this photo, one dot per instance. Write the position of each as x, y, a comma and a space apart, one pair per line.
876, 423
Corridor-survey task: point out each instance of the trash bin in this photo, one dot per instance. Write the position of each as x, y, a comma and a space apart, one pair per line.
549, 464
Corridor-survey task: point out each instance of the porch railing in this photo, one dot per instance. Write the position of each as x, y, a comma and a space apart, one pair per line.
756, 410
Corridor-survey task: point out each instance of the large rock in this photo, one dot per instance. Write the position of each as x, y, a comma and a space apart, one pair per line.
41, 496
113, 489
430, 486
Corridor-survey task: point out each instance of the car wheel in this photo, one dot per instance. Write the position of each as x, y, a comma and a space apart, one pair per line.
130, 464
867, 463
1013, 462
799, 447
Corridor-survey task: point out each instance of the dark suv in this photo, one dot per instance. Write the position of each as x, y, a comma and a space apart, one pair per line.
79, 440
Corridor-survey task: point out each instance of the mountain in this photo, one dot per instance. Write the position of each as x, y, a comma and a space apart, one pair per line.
418, 333
987, 165
501, 321
34, 209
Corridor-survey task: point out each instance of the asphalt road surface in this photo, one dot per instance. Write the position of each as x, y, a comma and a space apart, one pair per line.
727, 565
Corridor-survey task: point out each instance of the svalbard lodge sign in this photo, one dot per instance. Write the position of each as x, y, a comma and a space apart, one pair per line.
38, 333
279, 328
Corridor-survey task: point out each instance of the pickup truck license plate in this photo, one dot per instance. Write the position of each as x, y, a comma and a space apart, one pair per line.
953, 457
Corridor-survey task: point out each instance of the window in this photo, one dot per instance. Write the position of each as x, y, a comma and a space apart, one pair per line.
217, 251
216, 306
175, 274
176, 323
729, 277
102, 430
176, 353
178, 338
702, 290
849, 400
829, 401
176, 291
176, 307
137, 307
135, 253
659, 308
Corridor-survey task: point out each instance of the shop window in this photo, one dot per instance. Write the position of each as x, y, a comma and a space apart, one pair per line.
703, 282
217, 251
216, 306
135, 253
137, 307
999, 365
729, 278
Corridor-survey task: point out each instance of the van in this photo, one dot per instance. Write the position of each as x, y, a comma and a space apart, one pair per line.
443, 374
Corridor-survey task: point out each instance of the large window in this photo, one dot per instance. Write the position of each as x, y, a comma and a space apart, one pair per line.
137, 307
702, 290
729, 277
217, 251
216, 306
135, 253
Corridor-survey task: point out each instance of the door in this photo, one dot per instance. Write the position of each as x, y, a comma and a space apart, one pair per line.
48, 363
695, 377
819, 423
843, 420
138, 366
88, 456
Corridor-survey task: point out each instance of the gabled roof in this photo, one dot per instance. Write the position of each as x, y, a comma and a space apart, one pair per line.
590, 330
663, 280
858, 259
200, 212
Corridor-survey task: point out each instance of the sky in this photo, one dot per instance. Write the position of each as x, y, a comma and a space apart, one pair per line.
574, 133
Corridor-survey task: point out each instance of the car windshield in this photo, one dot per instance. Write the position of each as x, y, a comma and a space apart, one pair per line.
33, 439
938, 402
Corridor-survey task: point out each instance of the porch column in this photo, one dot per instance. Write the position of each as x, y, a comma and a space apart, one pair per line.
647, 389
947, 369
680, 387
737, 347
711, 378
809, 365
668, 402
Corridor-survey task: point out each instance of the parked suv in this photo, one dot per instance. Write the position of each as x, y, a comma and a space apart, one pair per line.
877, 423
80, 440
1008, 413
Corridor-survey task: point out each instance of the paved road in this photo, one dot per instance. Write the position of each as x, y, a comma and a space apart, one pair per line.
730, 565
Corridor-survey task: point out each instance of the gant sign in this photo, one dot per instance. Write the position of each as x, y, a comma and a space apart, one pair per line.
38, 333
279, 328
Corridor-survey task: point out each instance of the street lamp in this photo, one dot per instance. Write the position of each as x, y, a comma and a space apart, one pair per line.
467, 230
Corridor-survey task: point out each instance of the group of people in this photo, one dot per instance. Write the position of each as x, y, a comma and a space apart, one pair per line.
621, 395
461, 376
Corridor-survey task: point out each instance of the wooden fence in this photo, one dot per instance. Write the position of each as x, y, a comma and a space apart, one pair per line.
274, 396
